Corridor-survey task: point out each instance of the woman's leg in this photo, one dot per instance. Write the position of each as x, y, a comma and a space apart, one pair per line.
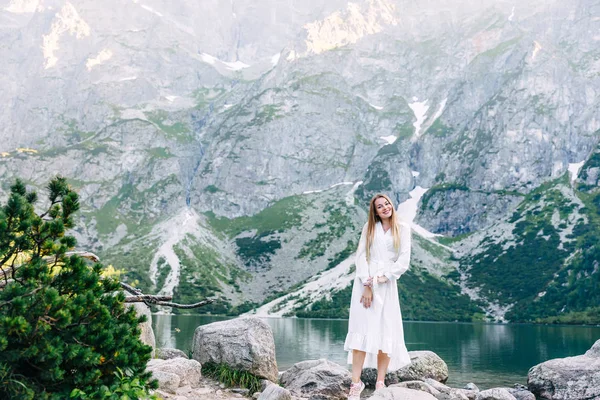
383, 360
358, 359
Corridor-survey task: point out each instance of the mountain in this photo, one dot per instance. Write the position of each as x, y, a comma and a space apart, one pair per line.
229, 149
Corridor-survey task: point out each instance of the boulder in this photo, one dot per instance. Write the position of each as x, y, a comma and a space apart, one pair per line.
594, 351
495, 394
424, 364
401, 393
275, 392
471, 386
468, 394
418, 385
567, 378
188, 371
317, 379
437, 389
437, 385
166, 353
521, 394
147, 334
167, 381
244, 344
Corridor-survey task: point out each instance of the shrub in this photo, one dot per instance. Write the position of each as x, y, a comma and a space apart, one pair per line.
64, 330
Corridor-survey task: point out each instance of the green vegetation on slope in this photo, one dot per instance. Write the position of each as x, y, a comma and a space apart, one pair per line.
201, 272
544, 279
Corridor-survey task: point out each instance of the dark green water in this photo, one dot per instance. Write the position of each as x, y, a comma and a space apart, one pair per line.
488, 355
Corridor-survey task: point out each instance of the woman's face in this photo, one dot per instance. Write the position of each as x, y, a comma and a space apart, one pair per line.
383, 208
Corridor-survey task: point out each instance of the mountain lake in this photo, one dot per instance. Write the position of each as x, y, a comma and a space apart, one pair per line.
489, 355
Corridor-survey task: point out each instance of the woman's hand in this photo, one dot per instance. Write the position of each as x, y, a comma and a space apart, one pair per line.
367, 297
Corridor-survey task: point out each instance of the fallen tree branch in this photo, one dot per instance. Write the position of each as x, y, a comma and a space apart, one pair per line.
147, 298
136, 295
184, 306
131, 289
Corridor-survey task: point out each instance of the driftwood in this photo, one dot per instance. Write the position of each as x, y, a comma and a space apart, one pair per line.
135, 295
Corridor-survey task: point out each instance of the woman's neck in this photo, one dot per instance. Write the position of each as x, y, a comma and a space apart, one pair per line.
386, 223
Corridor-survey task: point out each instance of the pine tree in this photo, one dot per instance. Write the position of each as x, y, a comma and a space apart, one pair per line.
64, 330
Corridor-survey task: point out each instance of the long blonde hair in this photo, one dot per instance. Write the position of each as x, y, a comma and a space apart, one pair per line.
372, 222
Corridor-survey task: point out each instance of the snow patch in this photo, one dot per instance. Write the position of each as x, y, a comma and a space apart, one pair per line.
574, 170
104, 55
128, 78
22, 6
152, 10
415, 174
330, 187
171, 98
389, 139
438, 113
291, 56
376, 107
275, 59
536, 49
67, 20
175, 230
407, 211
350, 195
234, 66
512, 14
420, 111
322, 286
207, 58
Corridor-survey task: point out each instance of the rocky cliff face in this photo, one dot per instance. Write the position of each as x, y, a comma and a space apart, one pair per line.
246, 137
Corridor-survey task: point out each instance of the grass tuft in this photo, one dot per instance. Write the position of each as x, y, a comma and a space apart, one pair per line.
231, 377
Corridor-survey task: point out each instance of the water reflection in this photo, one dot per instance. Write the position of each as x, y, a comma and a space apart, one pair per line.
487, 354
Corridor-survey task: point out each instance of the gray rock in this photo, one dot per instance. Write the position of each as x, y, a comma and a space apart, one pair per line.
167, 381
418, 385
471, 386
245, 344
567, 378
495, 394
189, 371
424, 364
165, 353
437, 389
594, 351
147, 334
265, 382
469, 394
275, 392
437, 385
400, 393
317, 379
521, 394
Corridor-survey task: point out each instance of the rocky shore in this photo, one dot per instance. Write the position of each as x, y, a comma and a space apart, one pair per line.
246, 344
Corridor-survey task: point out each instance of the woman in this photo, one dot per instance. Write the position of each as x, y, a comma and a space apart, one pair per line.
375, 335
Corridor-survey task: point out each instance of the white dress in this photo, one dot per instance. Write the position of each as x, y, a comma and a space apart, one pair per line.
379, 327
